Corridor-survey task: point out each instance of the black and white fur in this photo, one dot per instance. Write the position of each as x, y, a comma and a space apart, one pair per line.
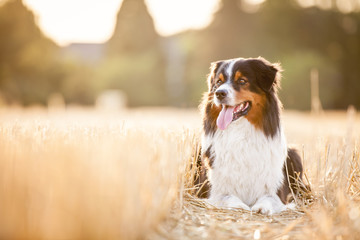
246, 163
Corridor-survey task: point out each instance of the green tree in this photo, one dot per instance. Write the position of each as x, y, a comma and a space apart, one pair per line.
28, 69
134, 31
135, 58
300, 38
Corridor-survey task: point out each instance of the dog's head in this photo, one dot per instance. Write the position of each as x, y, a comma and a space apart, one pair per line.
242, 87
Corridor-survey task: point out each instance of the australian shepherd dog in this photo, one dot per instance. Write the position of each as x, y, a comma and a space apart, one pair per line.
245, 157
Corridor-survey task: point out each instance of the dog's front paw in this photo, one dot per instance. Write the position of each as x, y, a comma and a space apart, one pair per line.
235, 202
263, 208
268, 205
228, 201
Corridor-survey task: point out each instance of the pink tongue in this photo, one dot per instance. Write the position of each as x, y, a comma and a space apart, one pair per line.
225, 117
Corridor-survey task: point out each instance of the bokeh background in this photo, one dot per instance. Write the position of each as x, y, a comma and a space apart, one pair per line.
154, 66
69, 171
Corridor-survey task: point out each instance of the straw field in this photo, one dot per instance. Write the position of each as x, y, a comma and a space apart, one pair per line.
85, 174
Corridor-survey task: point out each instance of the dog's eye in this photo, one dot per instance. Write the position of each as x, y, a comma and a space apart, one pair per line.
218, 82
242, 81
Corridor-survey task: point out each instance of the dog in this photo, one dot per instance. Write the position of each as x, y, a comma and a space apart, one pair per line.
245, 161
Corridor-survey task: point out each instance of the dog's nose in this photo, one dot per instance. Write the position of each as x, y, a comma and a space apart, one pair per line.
221, 94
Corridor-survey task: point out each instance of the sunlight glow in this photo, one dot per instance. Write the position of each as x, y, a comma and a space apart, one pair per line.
93, 21
255, 1
67, 21
306, 3
178, 15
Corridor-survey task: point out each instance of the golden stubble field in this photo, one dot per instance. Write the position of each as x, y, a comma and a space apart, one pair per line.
86, 174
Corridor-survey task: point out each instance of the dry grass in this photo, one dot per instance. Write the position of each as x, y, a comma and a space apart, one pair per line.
81, 174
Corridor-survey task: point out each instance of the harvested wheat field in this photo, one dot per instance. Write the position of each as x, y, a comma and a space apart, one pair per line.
85, 174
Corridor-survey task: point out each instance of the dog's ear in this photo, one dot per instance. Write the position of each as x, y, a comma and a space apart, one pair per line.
267, 74
214, 66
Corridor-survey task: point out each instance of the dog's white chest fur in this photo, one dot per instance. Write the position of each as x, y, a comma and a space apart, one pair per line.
247, 166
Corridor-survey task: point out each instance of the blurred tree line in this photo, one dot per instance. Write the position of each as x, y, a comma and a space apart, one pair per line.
154, 70
28, 68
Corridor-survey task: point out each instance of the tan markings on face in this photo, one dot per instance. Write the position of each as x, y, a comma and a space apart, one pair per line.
213, 109
255, 115
214, 113
238, 75
221, 77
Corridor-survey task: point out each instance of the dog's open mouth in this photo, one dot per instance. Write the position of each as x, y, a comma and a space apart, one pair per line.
241, 110
229, 114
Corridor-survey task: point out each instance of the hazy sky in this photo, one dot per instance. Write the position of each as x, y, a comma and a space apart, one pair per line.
67, 21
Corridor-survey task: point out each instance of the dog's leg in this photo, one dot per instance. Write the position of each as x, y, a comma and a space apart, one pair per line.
227, 201
293, 172
268, 205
